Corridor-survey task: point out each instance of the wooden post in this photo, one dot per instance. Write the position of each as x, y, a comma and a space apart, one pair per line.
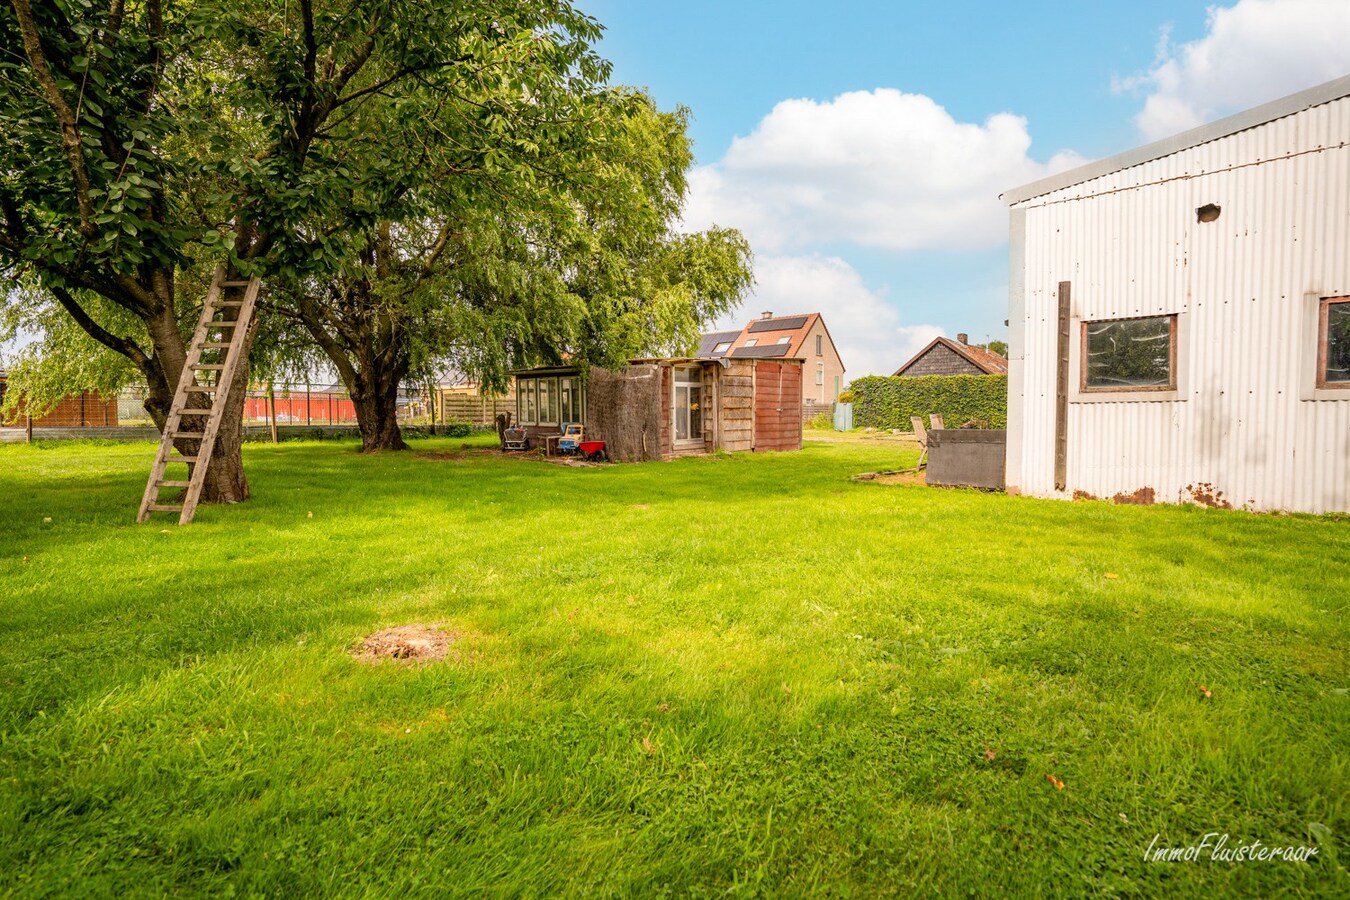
307, 422
272, 408
1062, 392
30, 429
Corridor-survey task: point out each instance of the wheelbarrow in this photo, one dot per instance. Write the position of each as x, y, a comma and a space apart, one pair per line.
593, 450
515, 439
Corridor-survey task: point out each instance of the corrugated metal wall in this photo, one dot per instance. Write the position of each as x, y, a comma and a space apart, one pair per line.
1130, 245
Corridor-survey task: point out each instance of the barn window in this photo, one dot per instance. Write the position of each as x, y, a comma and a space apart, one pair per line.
1130, 354
1333, 344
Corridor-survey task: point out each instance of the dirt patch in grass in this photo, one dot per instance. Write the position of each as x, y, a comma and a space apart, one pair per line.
406, 643
903, 477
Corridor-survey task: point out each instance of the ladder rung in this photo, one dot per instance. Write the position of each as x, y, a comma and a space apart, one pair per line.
235, 283
207, 388
194, 412
228, 303
172, 483
213, 344
184, 458
189, 435
221, 324
207, 366
165, 507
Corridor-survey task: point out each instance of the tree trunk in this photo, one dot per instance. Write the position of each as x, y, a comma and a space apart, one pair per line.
376, 402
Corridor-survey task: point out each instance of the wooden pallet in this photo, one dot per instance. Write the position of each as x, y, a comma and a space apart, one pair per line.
201, 402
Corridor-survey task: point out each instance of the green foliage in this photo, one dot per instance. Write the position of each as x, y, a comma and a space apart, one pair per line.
889, 401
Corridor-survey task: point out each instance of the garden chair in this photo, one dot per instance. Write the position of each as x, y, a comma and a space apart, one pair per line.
922, 437
936, 420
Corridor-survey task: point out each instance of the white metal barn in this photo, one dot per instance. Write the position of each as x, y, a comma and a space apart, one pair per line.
1180, 317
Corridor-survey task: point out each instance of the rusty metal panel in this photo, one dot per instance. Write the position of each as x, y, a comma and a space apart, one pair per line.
1244, 428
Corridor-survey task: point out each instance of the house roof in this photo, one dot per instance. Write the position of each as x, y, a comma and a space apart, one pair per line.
987, 361
772, 337
708, 343
1260, 115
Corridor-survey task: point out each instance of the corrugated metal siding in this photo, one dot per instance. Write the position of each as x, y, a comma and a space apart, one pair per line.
1130, 245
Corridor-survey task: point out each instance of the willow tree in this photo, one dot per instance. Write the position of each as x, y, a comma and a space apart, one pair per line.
576, 260
141, 140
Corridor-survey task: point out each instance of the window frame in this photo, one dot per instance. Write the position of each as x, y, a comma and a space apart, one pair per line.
722, 346
1172, 369
820, 345
1324, 344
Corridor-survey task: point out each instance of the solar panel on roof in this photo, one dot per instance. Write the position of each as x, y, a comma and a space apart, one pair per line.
789, 324
766, 350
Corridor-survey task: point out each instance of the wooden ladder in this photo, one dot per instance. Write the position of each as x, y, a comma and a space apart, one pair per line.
199, 406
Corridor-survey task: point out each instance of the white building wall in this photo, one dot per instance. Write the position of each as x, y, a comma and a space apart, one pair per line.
1245, 420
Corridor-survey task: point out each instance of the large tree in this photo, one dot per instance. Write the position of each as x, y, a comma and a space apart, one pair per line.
577, 259
137, 137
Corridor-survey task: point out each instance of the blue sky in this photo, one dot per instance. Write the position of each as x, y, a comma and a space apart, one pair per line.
862, 149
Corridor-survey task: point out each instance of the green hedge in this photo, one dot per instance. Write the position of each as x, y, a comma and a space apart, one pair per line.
888, 402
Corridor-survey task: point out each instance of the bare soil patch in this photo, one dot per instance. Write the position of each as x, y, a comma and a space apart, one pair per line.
406, 643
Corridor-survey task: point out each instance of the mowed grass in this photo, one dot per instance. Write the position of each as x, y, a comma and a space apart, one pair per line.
733, 675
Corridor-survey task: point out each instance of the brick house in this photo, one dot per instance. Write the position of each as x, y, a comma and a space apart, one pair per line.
86, 410
803, 336
947, 357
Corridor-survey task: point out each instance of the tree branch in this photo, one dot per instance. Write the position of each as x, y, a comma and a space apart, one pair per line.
125, 346
65, 116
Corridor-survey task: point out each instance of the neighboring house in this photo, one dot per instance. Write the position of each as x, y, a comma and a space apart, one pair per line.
1180, 317
663, 408
803, 337
947, 357
87, 410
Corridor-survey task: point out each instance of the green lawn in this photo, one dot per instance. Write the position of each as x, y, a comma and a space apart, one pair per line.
741, 675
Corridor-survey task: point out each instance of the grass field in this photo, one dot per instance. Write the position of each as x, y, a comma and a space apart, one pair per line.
741, 675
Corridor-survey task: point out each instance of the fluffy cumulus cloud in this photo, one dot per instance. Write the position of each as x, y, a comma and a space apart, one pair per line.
1252, 52
875, 168
868, 331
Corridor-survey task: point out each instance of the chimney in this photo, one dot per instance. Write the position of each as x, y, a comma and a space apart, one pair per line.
767, 314
963, 339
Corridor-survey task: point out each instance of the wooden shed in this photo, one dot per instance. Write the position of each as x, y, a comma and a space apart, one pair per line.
664, 408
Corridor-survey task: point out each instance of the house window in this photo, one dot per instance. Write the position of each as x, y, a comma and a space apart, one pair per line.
1333, 344
722, 347
1130, 354
569, 394
820, 345
820, 376
686, 405
527, 401
750, 343
785, 340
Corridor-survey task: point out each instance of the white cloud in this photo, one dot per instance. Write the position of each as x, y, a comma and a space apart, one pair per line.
1252, 52
866, 329
874, 168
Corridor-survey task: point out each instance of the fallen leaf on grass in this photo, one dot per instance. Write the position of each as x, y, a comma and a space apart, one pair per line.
664, 707
25, 559
309, 515
1059, 785
1123, 817
1206, 693
46, 520
990, 753
1112, 575
647, 746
